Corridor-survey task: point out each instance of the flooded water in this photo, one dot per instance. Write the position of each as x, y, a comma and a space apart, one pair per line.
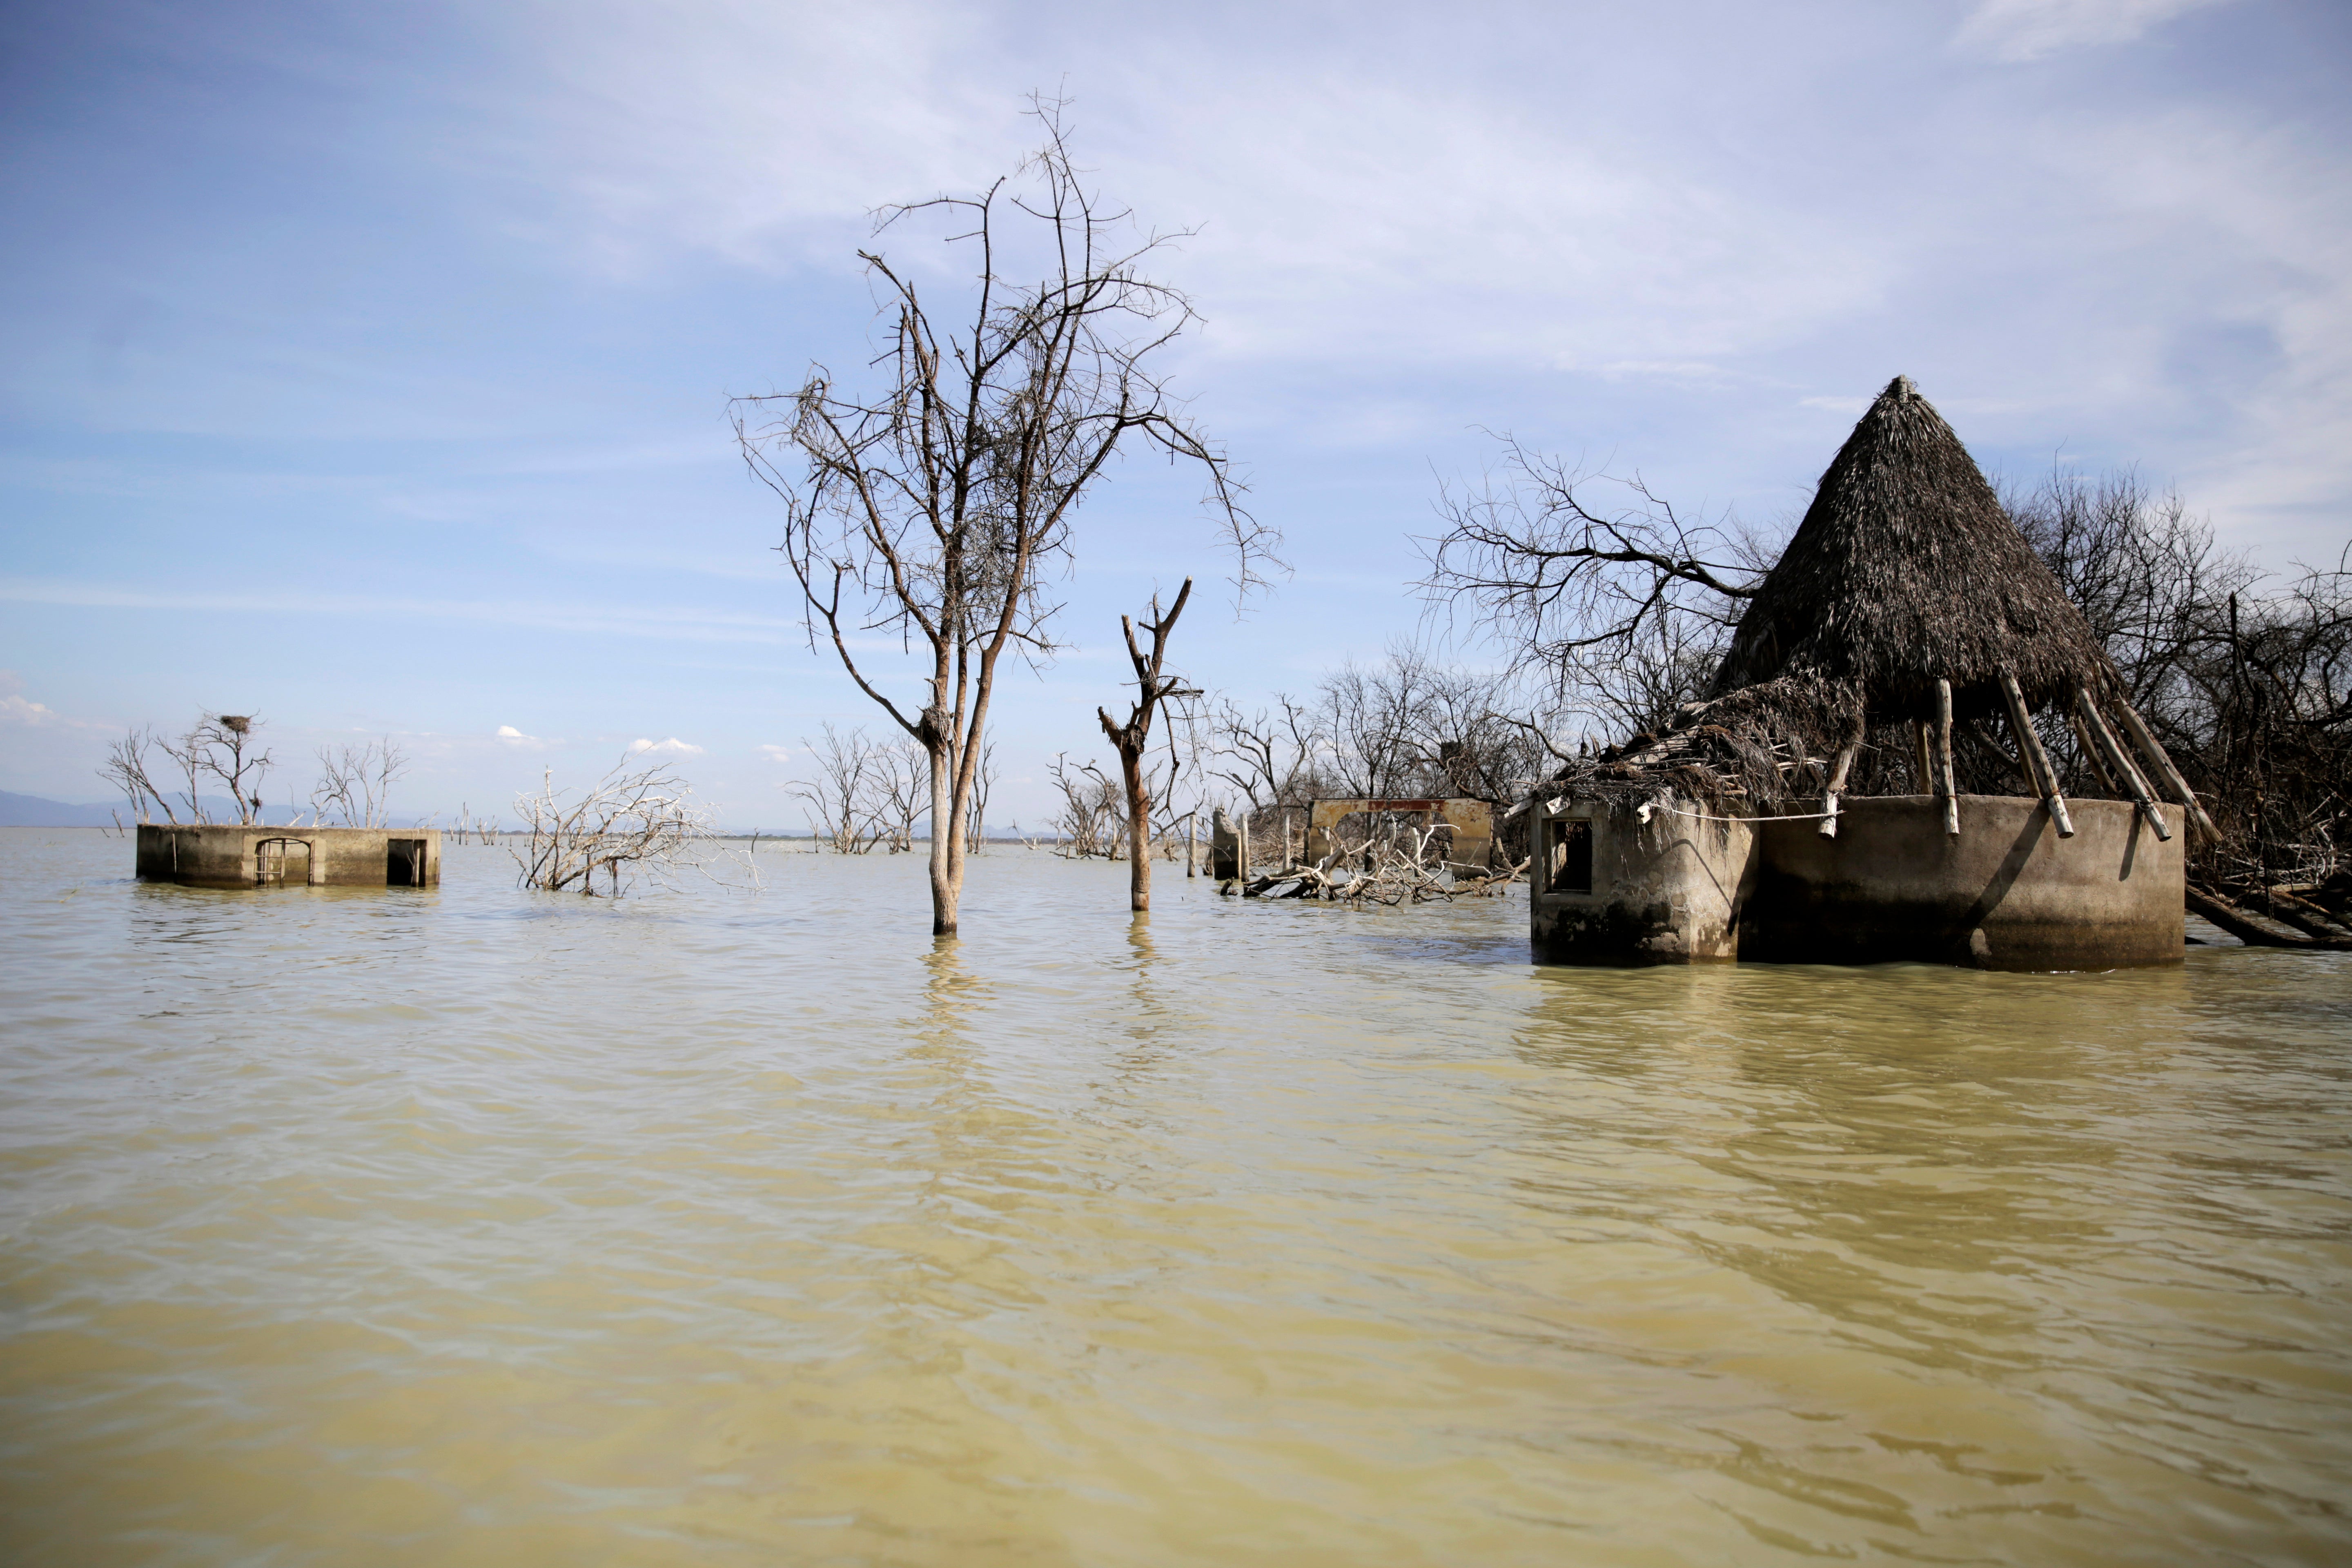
466, 1225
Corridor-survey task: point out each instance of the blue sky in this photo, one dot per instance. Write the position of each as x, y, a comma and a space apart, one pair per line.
368, 364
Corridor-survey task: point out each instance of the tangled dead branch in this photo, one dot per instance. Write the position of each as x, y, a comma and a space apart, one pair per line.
1386, 871
628, 824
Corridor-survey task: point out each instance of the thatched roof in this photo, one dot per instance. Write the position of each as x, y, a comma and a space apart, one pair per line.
1906, 569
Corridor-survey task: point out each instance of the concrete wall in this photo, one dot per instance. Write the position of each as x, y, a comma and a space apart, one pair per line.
234, 857
2008, 893
1664, 891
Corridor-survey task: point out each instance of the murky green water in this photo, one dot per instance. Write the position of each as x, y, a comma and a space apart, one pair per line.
470, 1226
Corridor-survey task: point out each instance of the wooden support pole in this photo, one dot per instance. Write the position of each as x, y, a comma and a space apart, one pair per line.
2161, 764
2037, 760
2119, 762
1945, 789
2021, 762
1921, 764
1837, 787
2091, 754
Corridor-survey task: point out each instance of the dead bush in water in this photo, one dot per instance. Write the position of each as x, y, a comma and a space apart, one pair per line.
627, 825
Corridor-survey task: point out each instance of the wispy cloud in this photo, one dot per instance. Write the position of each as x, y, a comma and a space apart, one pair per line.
2021, 30
774, 753
15, 710
615, 618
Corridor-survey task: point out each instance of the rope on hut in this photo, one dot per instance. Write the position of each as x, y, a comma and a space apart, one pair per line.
1702, 816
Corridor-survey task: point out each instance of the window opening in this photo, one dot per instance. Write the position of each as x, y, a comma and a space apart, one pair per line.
1568, 861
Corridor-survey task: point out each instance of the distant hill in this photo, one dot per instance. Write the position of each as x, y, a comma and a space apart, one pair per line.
32, 811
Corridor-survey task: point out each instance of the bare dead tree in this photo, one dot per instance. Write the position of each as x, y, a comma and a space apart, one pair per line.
931, 507
1091, 821
1270, 755
1278, 759
1583, 591
1132, 739
355, 783
1408, 726
632, 822
126, 768
221, 747
902, 793
975, 827
843, 796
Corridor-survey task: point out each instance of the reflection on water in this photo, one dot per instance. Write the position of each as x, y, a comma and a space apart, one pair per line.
459, 1226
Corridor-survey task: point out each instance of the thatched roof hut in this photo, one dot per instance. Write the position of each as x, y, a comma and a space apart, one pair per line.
1906, 595
1907, 570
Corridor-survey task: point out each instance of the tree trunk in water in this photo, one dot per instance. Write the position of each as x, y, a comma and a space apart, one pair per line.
1138, 832
947, 886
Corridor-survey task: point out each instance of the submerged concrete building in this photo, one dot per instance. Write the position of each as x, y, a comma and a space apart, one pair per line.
229, 856
1811, 809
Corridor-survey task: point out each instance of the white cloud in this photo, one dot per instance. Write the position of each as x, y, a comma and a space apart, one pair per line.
15, 710
673, 747
1343, 210
2022, 30
1391, 215
774, 753
19, 710
517, 740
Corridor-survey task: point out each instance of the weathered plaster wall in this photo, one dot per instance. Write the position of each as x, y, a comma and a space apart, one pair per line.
1664, 891
2008, 893
225, 856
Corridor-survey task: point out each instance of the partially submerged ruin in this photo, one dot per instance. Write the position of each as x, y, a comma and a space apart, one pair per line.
1908, 613
229, 856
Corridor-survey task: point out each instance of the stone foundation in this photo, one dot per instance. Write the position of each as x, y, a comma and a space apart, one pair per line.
235, 857
2007, 893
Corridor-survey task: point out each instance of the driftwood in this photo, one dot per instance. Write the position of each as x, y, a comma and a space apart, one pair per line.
2257, 930
2285, 904
1375, 872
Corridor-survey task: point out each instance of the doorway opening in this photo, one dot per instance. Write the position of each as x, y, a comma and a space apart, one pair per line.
276, 861
404, 862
